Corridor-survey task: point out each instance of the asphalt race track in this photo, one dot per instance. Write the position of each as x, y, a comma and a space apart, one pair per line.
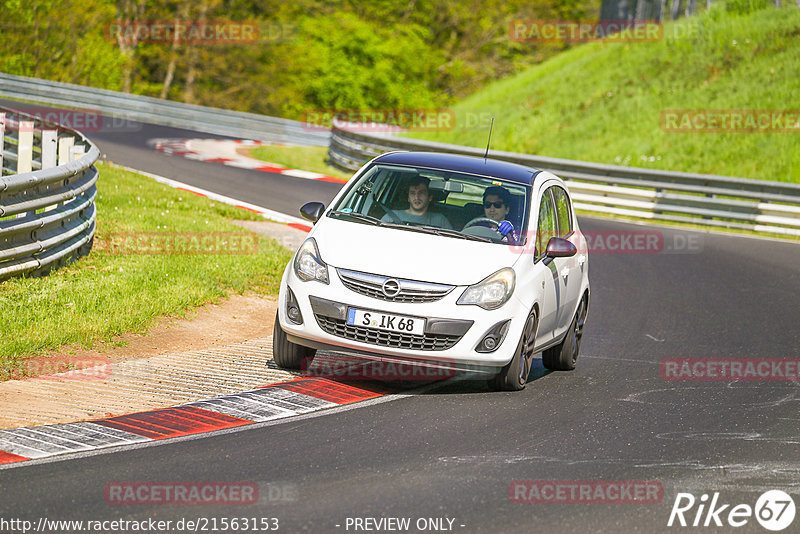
125, 143
454, 451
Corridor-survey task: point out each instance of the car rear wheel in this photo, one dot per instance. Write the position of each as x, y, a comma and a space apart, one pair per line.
514, 375
288, 355
563, 356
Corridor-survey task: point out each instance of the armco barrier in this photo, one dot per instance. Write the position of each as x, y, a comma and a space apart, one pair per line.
47, 192
722, 201
164, 112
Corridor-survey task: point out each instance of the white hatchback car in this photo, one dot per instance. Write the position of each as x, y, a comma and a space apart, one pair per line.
463, 262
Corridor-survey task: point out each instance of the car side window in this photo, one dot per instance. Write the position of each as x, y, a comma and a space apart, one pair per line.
546, 227
563, 212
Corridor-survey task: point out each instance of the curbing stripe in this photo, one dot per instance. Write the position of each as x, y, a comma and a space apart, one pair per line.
305, 174
298, 226
329, 390
276, 401
265, 404
25, 449
172, 422
179, 147
50, 436
270, 168
92, 434
8, 458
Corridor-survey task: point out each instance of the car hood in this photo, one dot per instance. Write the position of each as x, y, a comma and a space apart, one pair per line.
409, 254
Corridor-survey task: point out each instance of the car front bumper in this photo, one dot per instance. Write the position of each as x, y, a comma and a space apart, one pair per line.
452, 332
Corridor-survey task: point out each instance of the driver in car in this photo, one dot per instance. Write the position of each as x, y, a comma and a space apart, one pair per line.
496, 206
419, 200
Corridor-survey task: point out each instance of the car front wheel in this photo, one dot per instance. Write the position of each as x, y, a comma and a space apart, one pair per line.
288, 355
514, 375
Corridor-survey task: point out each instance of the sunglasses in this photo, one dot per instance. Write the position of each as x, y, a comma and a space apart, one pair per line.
488, 205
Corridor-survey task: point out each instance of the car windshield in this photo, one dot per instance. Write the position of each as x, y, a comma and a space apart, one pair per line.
443, 202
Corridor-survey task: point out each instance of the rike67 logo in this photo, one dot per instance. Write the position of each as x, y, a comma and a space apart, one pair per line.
774, 510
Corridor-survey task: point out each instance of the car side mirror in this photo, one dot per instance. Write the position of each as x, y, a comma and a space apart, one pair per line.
558, 247
312, 210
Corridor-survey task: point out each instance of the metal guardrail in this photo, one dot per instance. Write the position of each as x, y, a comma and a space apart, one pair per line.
47, 211
164, 112
722, 201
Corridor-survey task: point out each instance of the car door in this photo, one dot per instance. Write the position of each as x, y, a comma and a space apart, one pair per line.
545, 275
570, 270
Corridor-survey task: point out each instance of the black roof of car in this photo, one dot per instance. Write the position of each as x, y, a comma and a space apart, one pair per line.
467, 164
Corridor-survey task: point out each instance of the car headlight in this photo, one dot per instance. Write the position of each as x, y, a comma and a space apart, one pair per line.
308, 265
492, 292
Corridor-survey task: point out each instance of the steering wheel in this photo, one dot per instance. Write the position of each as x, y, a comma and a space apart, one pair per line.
475, 222
493, 225
389, 212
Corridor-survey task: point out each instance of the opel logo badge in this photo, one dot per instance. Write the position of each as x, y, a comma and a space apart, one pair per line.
391, 287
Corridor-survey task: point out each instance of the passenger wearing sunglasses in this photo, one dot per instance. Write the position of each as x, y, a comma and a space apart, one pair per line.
496, 206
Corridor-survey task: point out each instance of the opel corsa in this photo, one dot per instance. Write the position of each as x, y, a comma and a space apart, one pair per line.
443, 260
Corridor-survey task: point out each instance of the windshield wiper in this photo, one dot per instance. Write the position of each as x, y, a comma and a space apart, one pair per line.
424, 229
435, 230
412, 228
369, 219
456, 233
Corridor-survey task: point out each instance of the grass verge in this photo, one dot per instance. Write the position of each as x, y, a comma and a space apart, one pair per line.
122, 286
306, 158
605, 102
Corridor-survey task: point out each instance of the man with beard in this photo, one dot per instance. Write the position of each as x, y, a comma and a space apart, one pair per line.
419, 200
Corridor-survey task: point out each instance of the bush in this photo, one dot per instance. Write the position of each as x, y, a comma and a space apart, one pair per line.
743, 7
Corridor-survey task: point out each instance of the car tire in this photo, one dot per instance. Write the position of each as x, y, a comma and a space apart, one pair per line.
514, 375
564, 356
286, 354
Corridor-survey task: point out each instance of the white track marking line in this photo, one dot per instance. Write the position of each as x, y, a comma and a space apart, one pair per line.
265, 212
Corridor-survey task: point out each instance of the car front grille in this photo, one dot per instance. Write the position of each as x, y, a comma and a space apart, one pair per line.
384, 338
372, 285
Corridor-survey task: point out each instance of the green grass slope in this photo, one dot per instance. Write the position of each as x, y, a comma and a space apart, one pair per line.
603, 102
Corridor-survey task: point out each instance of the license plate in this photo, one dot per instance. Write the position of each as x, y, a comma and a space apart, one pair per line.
386, 321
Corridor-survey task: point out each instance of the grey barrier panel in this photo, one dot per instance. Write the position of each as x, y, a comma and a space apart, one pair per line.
723, 201
47, 216
237, 124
